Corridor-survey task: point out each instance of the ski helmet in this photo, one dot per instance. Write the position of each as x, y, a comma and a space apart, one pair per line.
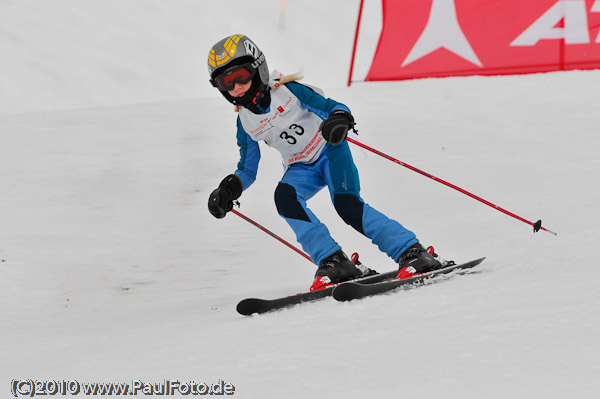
237, 59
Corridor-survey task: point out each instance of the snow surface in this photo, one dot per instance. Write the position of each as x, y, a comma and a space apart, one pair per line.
111, 140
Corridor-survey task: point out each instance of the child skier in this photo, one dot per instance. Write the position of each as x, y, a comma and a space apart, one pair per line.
309, 131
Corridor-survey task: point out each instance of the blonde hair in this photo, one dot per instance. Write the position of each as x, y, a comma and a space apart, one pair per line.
291, 78
294, 77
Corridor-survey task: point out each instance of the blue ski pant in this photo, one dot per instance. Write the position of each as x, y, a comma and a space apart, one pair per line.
335, 169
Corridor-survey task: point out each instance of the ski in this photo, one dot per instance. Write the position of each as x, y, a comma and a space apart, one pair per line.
251, 306
351, 290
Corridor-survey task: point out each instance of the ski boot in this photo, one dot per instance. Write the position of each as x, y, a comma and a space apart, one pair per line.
365, 271
444, 262
337, 268
416, 260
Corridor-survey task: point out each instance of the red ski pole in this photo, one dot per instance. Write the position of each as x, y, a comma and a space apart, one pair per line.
281, 240
537, 226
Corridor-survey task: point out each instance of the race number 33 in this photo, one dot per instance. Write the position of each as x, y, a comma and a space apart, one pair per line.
295, 129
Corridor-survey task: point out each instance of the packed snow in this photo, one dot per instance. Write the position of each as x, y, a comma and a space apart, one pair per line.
112, 269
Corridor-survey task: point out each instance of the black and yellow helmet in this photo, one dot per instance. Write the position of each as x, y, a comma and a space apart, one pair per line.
237, 59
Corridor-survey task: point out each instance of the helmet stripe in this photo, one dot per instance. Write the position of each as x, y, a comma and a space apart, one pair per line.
230, 46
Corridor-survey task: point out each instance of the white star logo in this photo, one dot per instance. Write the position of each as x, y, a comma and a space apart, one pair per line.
442, 31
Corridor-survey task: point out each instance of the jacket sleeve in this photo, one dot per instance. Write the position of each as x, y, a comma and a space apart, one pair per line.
313, 101
249, 157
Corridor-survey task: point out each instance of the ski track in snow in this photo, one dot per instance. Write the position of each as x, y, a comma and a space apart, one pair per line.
113, 270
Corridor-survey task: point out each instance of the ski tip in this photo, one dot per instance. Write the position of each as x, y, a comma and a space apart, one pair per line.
248, 307
477, 261
344, 292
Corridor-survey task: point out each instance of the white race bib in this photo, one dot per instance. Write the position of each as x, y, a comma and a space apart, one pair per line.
287, 127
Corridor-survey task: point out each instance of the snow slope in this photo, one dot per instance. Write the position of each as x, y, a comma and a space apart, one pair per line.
113, 270
69, 54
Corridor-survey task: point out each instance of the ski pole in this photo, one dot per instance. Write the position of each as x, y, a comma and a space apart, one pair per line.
281, 240
537, 226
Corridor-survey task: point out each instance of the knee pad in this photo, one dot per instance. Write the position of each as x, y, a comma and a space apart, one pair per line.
288, 206
350, 209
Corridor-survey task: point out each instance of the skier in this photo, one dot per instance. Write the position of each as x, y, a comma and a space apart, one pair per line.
309, 131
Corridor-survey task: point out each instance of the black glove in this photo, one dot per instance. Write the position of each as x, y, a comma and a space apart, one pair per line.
221, 200
335, 128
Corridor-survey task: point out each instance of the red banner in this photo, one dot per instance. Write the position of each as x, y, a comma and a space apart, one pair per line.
425, 38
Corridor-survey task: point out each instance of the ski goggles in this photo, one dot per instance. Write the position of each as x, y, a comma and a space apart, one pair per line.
241, 74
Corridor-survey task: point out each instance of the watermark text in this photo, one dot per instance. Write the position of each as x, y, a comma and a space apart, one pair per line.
31, 388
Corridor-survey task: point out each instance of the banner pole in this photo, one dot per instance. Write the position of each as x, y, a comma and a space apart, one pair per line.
360, 9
